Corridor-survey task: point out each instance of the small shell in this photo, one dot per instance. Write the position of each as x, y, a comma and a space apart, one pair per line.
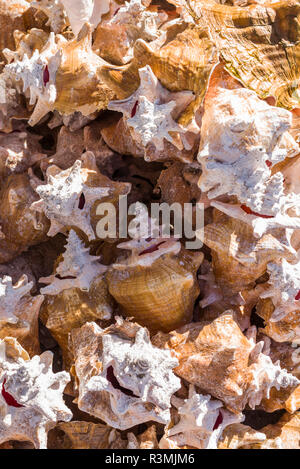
20, 227
145, 440
202, 422
31, 401
69, 197
18, 152
80, 12
54, 10
157, 284
239, 436
76, 293
219, 359
19, 313
123, 379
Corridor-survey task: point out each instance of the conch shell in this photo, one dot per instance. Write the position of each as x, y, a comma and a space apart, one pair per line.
259, 44
31, 401
64, 76
55, 11
219, 359
157, 283
122, 378
69, 197
76, 293
19, 313
202, 421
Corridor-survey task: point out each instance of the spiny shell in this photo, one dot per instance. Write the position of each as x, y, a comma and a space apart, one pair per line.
76, 293
20, 227
201, 422
19, 313
122, 378
156, 285
151, 111
219, 359
114, 39
31, 401
237, 150
69, 197
259, 44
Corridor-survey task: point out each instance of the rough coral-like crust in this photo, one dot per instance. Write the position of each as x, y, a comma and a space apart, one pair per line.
149, 224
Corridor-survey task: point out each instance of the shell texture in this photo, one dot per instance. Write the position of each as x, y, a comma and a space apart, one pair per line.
31, 399
123, 379
149, 224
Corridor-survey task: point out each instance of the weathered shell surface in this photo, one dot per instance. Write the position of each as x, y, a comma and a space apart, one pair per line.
123, 379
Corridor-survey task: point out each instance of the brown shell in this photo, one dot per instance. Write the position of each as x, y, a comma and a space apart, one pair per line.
20, 227
284, 330
71, 309
259, 44
158, 296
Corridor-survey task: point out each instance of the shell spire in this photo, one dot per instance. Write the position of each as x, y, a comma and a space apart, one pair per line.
77, 269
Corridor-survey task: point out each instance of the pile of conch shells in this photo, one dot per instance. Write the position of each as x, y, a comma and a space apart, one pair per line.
129, 342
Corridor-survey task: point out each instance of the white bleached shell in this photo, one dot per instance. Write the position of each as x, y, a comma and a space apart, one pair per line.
60, 198
37, 391
81, 11
198, 426
11, 297
284, 287
151, 112
78, 264
238, 149
111, 361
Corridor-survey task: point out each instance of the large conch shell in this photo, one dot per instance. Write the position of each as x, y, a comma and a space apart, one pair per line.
31, 400
122, 378
201, 424
237, 150
64, 76
75, 294
157, 283
19, 313
259, 44
114, 39
151, 113
20, 227
238, 257
69, 197
219, 359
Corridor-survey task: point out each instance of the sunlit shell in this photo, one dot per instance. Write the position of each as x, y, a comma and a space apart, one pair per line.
123, 379
26, 43
80, 12
31, 399
114, 39
20, 226
201, 422
223, 362
238, 150
75, 294
69, 197
259, 44
238, 258
55, 12
151, 113
64, 76
19, 313
157, 283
